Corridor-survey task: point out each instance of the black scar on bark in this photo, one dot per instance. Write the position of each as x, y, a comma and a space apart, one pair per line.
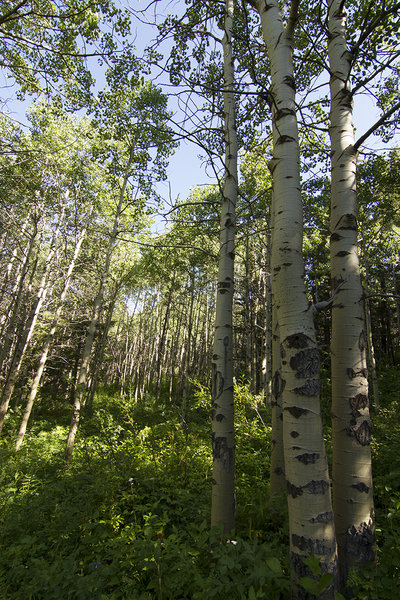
310, 388
363, 434
283, 139
358, 402
351, 373
311, 545
308, 457
336, 237
219, 417
342, 253
360, 542
316, 487
222, 452
283, 112
296, 411
226, 340
297, 340
278, 471
346, 98
278, 385
361, 487
293, 490
214, 482
325, 517
289, 80
218, 384
305, 363
294, 434
347, 221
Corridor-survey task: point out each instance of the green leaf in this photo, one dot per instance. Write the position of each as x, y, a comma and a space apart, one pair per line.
252, 594
339, 596
274, 565
310, 585
325, 581
313, 562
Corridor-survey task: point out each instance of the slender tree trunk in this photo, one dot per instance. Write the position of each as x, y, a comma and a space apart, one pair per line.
47, 344
81, 384
13, 310
10, 264
29, 328
372, 370
188, 355
352, 476
310, 511
223, 437
268, 369
100, 351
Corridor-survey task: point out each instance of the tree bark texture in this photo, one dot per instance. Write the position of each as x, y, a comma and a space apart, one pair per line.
223, 439
310, 511
352, 477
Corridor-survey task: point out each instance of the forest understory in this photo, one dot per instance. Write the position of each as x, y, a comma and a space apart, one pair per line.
129, 517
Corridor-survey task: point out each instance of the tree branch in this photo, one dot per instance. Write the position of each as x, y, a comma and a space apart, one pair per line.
293, 18
375, 126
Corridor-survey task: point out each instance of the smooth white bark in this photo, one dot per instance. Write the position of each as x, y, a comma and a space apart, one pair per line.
310, 511
223, 438
352, 476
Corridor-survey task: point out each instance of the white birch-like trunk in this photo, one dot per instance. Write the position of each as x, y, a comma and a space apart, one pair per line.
10, 265
47, 345
310, 511
13, 310
223, 438
29, 328
352, 477
82, 382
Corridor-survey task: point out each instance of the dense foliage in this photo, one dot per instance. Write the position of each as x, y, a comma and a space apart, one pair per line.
108, 369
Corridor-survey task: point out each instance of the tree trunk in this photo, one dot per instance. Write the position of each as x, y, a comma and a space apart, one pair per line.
81, 384
7, 331
310, 512
29, 327
47, 345
352, 477
223, 438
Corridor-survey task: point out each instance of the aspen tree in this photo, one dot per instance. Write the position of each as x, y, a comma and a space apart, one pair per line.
223, 439
82, 381
47, 345
352, 475
310, 512
29, 326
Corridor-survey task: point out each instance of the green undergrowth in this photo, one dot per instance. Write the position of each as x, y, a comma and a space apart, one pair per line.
129, 518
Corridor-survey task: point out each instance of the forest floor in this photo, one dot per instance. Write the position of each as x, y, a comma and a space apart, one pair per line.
129, 518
